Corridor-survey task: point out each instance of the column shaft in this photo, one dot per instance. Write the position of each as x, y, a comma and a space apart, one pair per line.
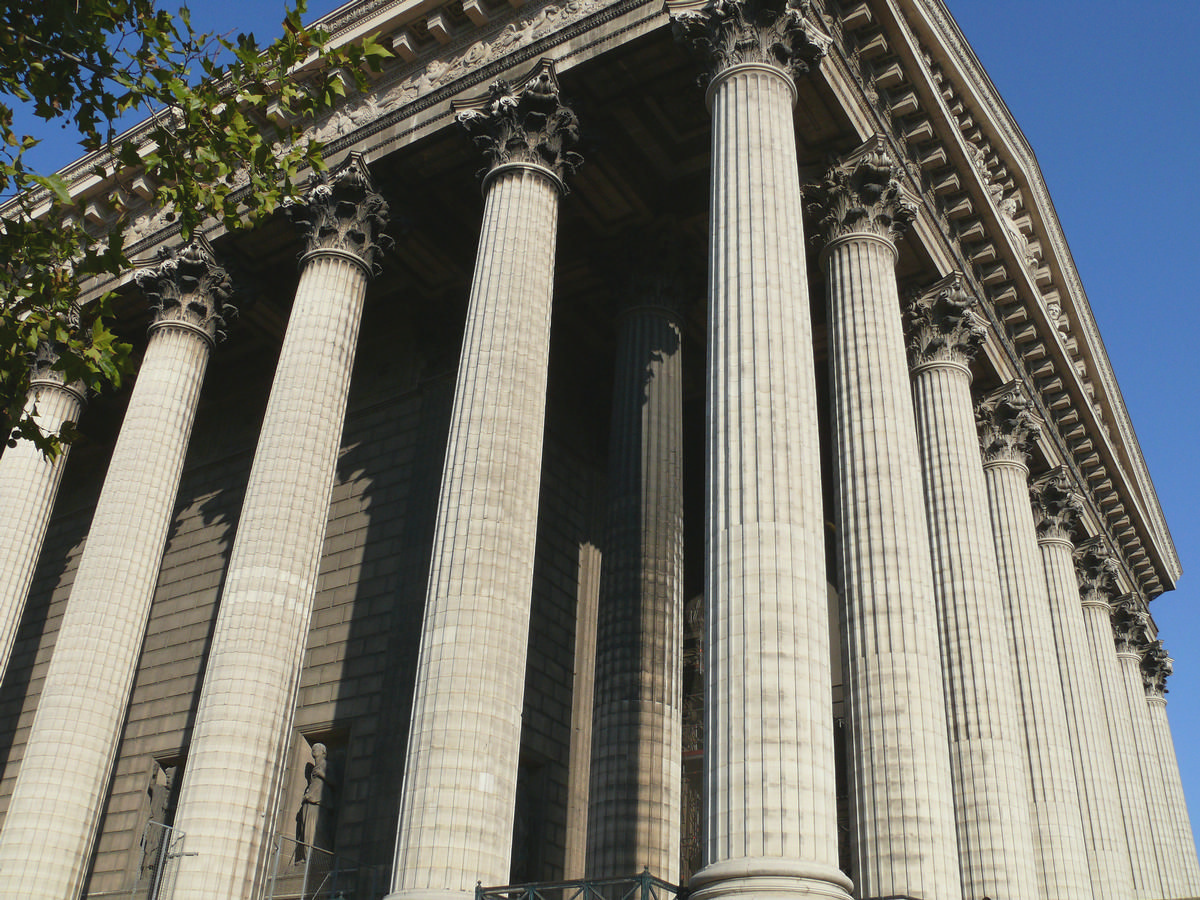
1130, 793
227, 801
994, 834
635, 813
55, 807
28, 486
456, 814
902, 801
768, 758
1176, 820
1095, 769
1145, 771
1060, 855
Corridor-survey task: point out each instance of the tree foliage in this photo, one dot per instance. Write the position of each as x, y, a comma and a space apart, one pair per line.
223, 140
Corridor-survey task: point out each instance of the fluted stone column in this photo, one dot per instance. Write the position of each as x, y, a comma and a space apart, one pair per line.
1006, 429
995, 840
902, 805
1174, 818
1096, 570
28, 486
460, 775
1057, 508
231, 777
637, 768
1130, 622
64, 774
770, 818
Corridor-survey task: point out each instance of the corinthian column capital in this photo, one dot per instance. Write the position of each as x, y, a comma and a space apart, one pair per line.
1056, 506
524, 123
189, 290
1129, 621
1095, 568
341, 214
1007, 425
1156, 669
943, 325
863, 195
728, 33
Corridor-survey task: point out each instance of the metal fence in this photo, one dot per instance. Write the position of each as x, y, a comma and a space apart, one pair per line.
637, 887
301, 872
162, 847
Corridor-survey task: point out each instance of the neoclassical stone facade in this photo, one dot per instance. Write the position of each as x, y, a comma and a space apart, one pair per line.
669, 437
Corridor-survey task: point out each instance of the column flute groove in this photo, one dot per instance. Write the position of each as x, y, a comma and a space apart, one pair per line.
986, 735
29, 483
231, 778
456, 812
902, 806
770, 815
55, 807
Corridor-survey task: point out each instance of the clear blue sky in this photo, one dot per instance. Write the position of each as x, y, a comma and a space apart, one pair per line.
1105, 92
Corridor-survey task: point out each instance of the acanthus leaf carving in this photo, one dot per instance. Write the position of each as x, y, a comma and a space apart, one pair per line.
728, 33
862, 194
341, 212
1057, 505
1096, 570
189, 288
1007, 425
524, 122
1156, 669
943, 323
1130, 622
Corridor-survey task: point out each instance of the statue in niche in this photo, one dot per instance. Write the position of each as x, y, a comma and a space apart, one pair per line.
315, 820
161, 811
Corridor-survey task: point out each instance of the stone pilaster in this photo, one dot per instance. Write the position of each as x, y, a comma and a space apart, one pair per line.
995, 840
1173, 817
28, 486
636, 779
231, 778
55, 807
770, 820
1130, 621
1007, 427
456, 809
902, 806
1057, 508
1096, 570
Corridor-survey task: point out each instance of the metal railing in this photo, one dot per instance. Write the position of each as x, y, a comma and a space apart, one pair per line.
302, 872
162, 847
636, 887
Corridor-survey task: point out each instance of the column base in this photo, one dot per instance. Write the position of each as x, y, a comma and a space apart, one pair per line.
769, 879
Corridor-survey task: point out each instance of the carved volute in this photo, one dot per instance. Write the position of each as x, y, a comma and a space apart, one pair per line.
1007, 425
862, 194
943, 325
342, 214
188, 289
524, 122
728, 33
1096, 570
1056, 505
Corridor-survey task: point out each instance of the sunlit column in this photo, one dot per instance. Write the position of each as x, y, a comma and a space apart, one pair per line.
28, 486
1057, 509
64, 775
995, 841
460, 767
231, 777
1007, 428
